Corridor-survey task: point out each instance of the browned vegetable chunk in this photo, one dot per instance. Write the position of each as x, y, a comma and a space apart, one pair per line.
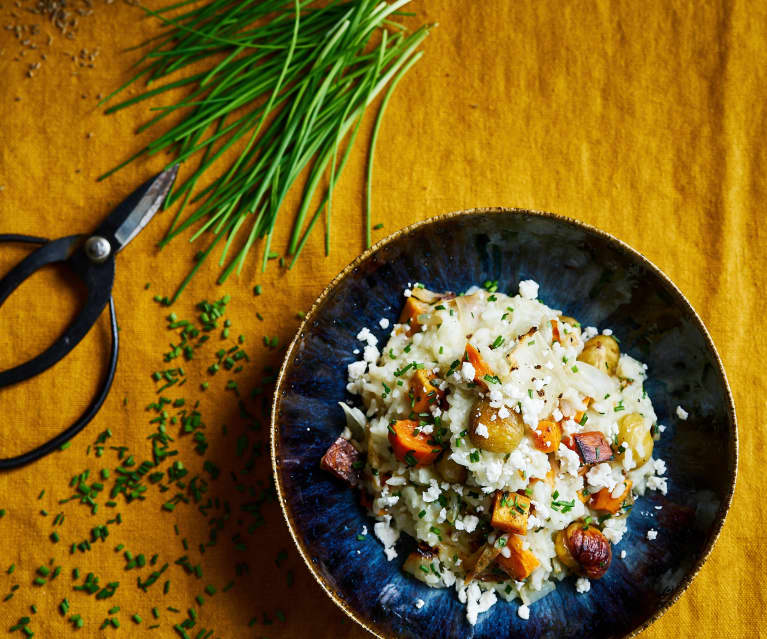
484, 557
605, 502
520, 562
510, 512
410, 312
425, 394
584, 549
593, 447
343, 460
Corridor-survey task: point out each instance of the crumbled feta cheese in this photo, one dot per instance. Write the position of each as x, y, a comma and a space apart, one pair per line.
582, 585
658, 483
601, 476
390, 553
681, 413
366, 336
432, 493
588, 333
468, 372
476, 601
614, 529
628, 459
623, 554
557, 415
619, 489
407, 292
607, 331
571, 427
528, 289
506, 551
524, 612
356, 351
364, 531
442, 516
356, 370
482, 431
388, 537
383, 323
419, 603
652, 534
370, 354
470, 523
569, 460
503, 412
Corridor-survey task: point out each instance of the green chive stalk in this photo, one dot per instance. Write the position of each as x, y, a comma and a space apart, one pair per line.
282, 82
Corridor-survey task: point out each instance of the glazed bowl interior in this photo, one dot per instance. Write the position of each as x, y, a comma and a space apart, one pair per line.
585, 273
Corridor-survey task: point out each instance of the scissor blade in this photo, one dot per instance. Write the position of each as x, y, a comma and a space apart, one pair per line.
135, 212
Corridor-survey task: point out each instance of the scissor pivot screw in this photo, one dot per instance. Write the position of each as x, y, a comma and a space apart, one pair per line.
97, 248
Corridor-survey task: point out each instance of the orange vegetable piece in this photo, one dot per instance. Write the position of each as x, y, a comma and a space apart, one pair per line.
425, 394
411, 447
520, 563
579, 415
547, 436
604, 501
555, 330
510, 512
410, 312
480, 366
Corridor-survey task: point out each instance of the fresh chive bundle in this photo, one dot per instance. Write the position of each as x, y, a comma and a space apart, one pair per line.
287, 81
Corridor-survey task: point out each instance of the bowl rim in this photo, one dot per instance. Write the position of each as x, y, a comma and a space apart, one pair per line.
721, 516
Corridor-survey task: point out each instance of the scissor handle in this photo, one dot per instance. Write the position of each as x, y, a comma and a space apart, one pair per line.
98, 279
64, 436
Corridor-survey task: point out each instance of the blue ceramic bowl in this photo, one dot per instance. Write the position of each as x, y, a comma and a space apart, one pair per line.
587, 274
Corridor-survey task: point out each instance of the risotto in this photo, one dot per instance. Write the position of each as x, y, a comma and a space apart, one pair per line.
506, 439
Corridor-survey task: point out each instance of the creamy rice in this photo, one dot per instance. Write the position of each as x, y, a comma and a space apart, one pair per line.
535, 377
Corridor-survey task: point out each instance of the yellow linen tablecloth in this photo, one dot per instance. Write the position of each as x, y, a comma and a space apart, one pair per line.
646, 120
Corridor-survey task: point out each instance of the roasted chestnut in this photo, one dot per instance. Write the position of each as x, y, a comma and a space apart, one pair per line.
584, 549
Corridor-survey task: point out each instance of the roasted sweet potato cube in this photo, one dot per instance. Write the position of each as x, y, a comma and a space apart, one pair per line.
520, 562
593, 447
510, 512
410, 312
425, 394
343, 460
547, 436
410, 445
604, 501
481, 369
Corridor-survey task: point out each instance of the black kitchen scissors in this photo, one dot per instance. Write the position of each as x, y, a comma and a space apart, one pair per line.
92, 258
